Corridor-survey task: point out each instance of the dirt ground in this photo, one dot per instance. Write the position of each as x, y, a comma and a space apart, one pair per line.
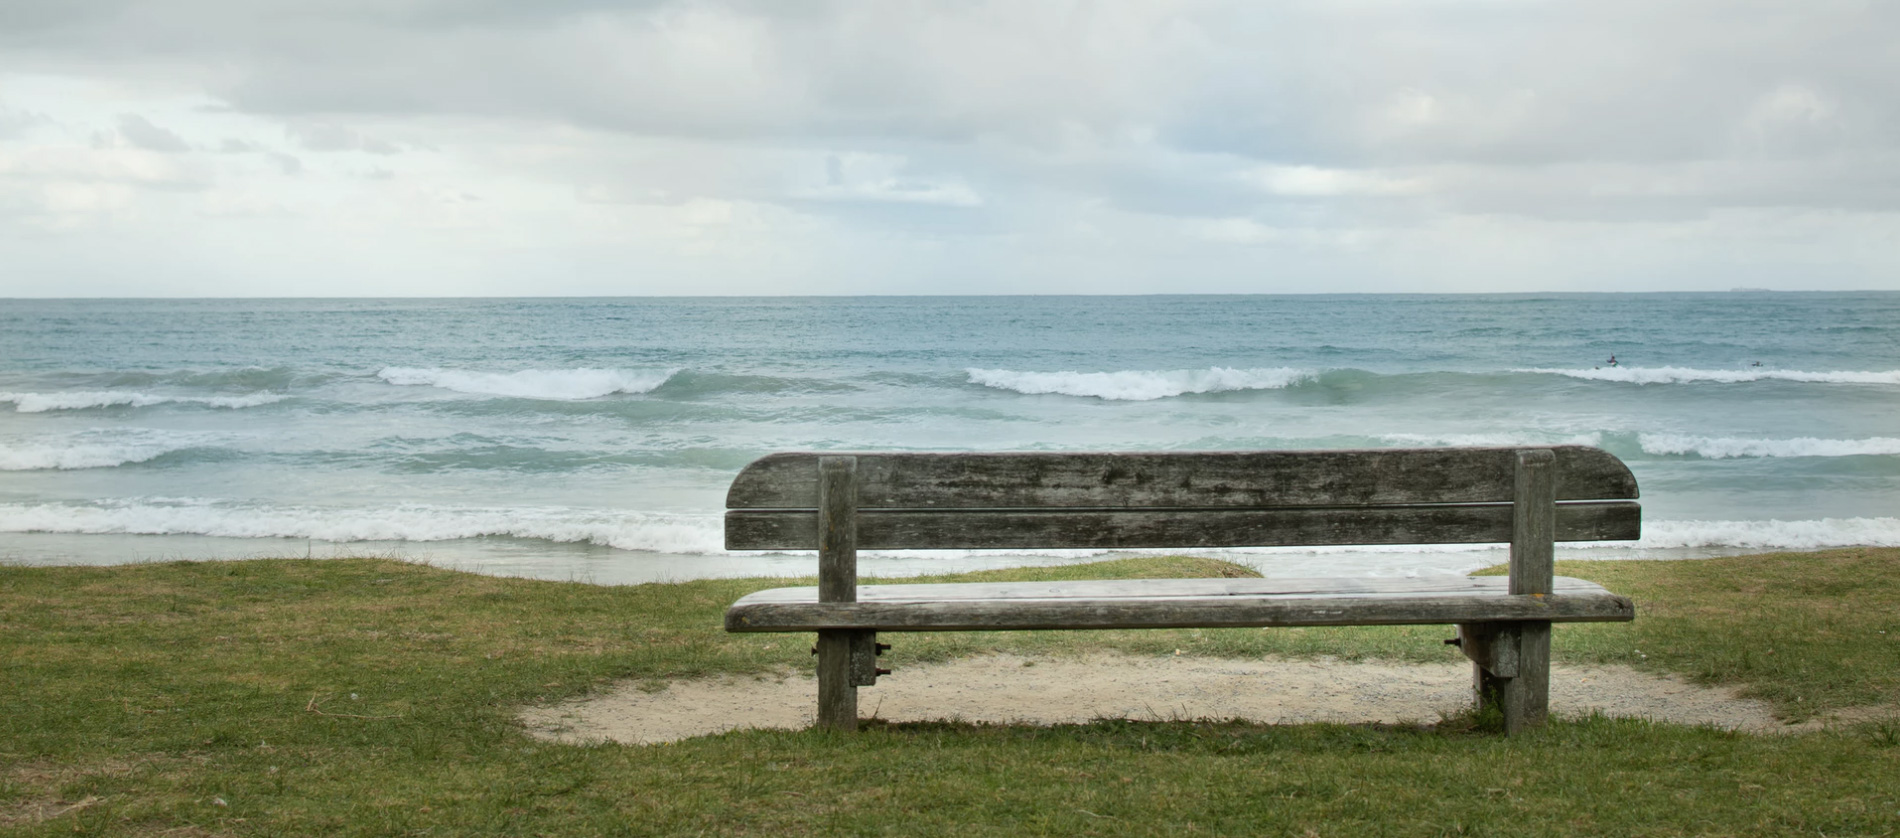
1007, 688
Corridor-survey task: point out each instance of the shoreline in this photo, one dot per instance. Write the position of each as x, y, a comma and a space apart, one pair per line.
597, 564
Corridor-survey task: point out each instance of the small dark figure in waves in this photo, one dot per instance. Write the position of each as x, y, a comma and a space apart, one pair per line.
1756, 364
1612, 361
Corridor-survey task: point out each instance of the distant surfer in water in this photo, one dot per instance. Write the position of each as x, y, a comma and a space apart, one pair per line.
1756, 364
1612, 361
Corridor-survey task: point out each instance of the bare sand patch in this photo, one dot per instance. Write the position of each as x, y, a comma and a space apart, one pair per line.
1043, 691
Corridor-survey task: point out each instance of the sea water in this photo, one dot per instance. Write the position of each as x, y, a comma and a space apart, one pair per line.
594, 438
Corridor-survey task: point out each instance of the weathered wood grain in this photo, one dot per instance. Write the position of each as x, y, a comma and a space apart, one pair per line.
1524, 693
837, 538
1533, 523
1193, 480
1175, 612
1480, 642
888, 529
1525, 698
837, 697
837, 528
864, 659
1491, 678
837, 503
1172, 588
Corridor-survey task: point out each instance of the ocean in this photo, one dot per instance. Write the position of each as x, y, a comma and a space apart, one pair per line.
592, 439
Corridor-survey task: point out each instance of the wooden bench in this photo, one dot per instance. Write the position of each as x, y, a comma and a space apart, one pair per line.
1530, 498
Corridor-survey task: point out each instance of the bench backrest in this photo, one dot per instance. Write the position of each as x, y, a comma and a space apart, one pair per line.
1181, 499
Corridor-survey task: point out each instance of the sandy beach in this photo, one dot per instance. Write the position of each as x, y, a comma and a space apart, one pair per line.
1044, 691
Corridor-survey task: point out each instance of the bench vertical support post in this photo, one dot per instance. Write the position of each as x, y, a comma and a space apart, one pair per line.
1524, 696
837, 582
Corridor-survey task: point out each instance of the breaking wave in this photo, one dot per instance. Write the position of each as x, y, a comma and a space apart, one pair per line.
554, 385
1669, 535
238, 378
1683, 375
701, 534
1672, 535
1719, 448
83, 399
650, 531
1772, 535
94, 449
1139, 385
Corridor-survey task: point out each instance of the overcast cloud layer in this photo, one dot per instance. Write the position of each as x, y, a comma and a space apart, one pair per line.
424, 147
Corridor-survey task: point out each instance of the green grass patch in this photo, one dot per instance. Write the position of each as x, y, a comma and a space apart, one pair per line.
372, 697
1808, 632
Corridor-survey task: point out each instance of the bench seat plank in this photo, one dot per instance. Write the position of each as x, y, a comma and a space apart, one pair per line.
975, 529
1167, 588
1175, 603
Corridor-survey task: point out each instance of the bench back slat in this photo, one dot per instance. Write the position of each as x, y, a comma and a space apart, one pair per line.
1180, 480
895, 529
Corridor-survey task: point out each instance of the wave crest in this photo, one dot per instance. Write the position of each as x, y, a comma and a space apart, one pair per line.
1683, 375
1138, 385
1720, 448
700, 534
648, 531
552, 385
1814, 534
94, 449
84, 399
1772, 535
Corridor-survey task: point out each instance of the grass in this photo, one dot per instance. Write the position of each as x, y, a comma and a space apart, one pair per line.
371, 697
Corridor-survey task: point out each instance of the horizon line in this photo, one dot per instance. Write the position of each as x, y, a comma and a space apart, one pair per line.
953, 295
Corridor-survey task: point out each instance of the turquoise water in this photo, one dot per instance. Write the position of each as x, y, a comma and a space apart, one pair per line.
593, 438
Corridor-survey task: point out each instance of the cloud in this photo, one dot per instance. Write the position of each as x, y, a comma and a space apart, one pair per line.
1120, 138
137, 168
324, 136
141, 133
1338, 85
14, 123
1320, 182
883, 179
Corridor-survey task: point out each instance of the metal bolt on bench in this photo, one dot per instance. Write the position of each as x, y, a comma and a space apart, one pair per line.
1530, 498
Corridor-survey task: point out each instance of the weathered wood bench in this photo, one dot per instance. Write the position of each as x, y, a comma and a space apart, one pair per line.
1530, 498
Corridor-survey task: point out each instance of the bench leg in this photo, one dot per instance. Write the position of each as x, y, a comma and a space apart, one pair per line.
837, 695
1510, 670
1527, 701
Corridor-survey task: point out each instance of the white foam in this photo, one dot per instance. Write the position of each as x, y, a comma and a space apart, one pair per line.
83, 399
1681, 375
651, 531
701, 534
1138, 385
555, 385
94, 449
1657, 535
1772, 535
1673, 535
1718, 448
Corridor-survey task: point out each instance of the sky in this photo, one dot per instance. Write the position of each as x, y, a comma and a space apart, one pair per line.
638, 147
